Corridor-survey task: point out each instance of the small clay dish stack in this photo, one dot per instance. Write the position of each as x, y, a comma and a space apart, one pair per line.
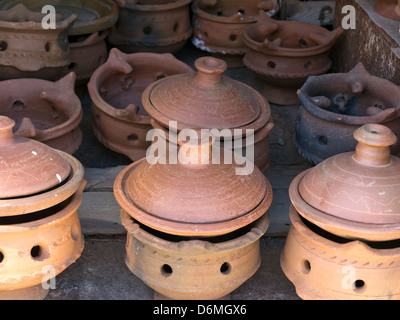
40, 233
334, 105
344, 241
49, 112
285, 53
207, 99
219, 26
116, 88
193, 225
86, 36
388, 8
158, 26
29, 51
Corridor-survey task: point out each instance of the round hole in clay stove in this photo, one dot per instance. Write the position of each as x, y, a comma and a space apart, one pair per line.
166, 270
225, 268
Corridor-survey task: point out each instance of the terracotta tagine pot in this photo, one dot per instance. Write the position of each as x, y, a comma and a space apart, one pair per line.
333, 106
207, 224
193, 269
40, 234
29, 51
388, 8
285, 53
159, 26
344, 240
144, 191
45, 111
219, 26
116, 89
209, 100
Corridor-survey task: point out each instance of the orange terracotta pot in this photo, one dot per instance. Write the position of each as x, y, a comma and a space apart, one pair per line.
285, 53
219, 26
192, 269
40, 234
327, 267
116, 88
49, 112
152, 26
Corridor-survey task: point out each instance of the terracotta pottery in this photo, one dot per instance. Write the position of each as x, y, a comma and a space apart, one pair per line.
209, 100
334, 105
92, 15
158, 26
27, 50
191, 207
285, 53
87, 53
325, 266
193, 269
45, 111
354, 194
219, 26
116, 88
388, 8
40, 234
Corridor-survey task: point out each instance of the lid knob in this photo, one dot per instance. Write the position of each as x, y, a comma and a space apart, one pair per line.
209, 71
6, 127
373, 144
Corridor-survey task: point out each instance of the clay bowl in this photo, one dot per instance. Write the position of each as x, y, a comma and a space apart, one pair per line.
285, 53
152, 26
92, 15
388, 8
189, 268
219, 26
116, 88
333, 106
48, 112
324, 266
29, 51
87, 53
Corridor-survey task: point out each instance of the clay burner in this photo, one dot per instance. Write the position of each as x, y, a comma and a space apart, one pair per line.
285, 53
159, 26
200, 238
219, 26
29, 51
40, 233
116, 89
333, 106
45, 111
207, 99
388, 8
344, 239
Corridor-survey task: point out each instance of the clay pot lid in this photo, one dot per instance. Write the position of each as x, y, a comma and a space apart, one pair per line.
206, 99
354, 191
27, 166
192, 197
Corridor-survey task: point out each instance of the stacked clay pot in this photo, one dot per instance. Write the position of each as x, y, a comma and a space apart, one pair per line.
345, 213
207, 99
159, 26
334, 105
219, 26
40, 233
116, 88
193, 226
49, 112
285, 53
82, 44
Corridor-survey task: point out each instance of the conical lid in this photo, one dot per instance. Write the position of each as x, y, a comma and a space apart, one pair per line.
193, 196
361, 186
27, 166
205, 99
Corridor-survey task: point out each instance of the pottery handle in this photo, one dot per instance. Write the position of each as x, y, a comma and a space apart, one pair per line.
209, 71
373, 145
6, 127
